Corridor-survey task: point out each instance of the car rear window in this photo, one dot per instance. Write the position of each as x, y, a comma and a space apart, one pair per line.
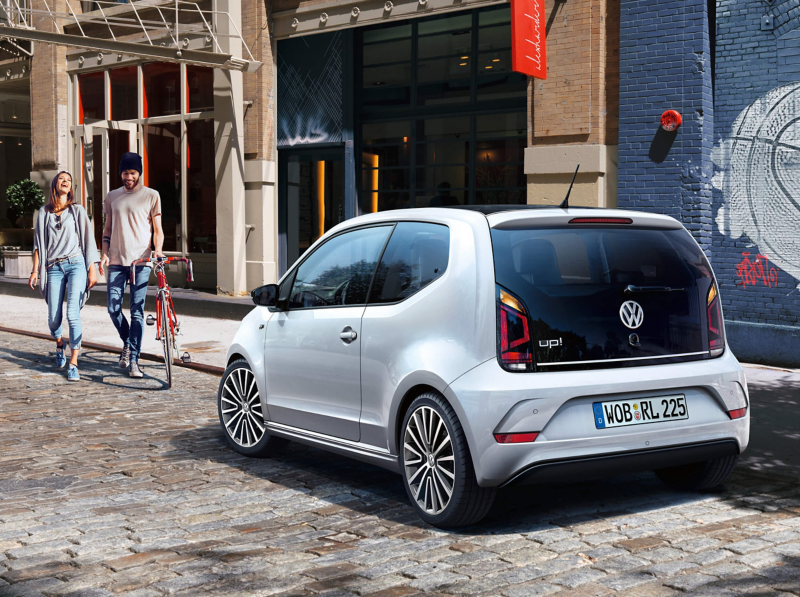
574, 282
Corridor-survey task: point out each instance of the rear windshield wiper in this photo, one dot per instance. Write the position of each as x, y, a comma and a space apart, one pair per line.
630, 288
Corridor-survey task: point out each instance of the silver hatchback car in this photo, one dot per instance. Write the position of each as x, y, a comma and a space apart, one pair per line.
467, 349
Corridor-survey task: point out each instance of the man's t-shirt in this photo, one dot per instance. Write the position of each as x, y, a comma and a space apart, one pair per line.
129, 216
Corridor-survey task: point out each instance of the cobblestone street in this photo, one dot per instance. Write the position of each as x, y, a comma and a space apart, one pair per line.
118, 486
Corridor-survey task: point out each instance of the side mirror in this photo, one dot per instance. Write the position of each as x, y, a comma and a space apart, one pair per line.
265, 296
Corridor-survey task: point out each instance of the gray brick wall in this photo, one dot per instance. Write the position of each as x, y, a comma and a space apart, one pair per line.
665, 64
756, 196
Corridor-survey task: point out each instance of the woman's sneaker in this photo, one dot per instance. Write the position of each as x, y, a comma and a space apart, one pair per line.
125, 357
61, 360
72, 373
134, 371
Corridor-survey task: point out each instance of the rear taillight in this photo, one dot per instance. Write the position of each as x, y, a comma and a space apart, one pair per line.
514, 345
716, 326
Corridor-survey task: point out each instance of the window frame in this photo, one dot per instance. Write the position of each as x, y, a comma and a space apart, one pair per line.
372, 284
292, 275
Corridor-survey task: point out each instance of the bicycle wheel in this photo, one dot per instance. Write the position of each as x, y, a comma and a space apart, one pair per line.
166, 337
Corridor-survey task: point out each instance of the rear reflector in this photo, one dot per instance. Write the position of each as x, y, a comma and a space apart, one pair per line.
515, 438
601, 221
737, 414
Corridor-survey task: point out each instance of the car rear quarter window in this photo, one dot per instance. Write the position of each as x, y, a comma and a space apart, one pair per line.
417, 254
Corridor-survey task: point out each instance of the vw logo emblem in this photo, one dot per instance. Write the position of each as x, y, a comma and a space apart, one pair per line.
631, 314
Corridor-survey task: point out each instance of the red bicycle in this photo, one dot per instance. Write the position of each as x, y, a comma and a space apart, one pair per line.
167, 325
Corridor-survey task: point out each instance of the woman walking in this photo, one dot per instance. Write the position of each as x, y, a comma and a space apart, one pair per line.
64, 258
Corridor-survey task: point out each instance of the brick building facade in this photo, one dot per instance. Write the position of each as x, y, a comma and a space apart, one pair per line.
355, 104
731, 173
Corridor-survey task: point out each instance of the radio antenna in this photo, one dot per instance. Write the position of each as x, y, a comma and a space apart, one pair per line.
565, 202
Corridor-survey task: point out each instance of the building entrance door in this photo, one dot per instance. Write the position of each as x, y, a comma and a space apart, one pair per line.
311, 199
100, 147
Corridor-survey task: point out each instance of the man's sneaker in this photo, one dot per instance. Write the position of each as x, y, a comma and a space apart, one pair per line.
134, 371
125, 357
61, 360
72, 373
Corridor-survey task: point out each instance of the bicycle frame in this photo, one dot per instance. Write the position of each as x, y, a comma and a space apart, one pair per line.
159, 264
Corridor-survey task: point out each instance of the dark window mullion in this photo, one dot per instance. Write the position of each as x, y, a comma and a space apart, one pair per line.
412, 153
473, 119
472, 157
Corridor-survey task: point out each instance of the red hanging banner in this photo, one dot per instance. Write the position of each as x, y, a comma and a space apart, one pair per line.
528, 49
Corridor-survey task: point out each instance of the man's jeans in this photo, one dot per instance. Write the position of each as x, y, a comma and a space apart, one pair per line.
118, 277
66, 277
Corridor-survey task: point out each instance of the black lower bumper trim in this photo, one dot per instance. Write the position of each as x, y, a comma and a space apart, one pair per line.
607, 465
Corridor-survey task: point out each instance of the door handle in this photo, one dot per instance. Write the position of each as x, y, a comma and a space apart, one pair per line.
348, 334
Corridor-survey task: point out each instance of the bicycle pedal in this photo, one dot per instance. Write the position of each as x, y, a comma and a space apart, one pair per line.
150, 320
186, 358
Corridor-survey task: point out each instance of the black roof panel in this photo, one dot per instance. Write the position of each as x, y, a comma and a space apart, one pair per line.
492, 209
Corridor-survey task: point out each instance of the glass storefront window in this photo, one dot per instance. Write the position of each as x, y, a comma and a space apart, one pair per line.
385, 160
162, 172
162, 90
124, 93
386, 59
500, 148
200, 85
201, 192
91, 97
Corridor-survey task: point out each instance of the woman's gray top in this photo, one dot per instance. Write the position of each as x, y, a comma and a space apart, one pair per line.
62, 238
80, 225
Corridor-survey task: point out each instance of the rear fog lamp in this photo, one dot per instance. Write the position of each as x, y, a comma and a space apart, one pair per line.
737, 414
515, 438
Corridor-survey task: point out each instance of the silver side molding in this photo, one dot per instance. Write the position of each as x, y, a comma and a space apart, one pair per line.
373, 454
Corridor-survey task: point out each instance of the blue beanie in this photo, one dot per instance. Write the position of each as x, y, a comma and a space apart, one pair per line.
131, 161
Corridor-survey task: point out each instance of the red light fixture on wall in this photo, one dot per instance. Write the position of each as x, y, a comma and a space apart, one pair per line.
670, 121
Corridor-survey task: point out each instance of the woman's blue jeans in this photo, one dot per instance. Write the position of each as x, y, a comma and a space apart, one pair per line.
118, 277
68, 278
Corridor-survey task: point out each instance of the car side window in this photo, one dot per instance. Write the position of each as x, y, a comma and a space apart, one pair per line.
417, 254
340, 271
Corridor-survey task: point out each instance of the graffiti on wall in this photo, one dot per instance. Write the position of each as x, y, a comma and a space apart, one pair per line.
752, 271
759, 177
310, 91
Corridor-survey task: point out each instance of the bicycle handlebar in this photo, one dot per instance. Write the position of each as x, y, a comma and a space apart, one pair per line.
163, 261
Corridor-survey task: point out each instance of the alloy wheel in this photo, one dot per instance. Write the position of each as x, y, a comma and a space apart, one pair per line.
241, 408
428, 460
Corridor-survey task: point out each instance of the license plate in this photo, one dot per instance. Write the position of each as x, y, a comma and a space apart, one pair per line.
639, 411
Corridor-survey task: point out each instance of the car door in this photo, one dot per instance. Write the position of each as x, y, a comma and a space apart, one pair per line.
312, 352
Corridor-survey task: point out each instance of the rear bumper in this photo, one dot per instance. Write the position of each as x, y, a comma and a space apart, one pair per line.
605, 465
489, 400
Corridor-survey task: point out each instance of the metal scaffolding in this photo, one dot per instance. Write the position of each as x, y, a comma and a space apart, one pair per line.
164, 30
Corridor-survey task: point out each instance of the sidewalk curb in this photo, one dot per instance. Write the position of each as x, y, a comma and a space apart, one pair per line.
210, 369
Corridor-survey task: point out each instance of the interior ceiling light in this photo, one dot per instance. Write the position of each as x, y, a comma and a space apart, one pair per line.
14, 116
496, 60
379, 83
464, 57
463, 64
488, 67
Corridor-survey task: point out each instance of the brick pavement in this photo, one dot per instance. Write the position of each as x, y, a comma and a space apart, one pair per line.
116, 486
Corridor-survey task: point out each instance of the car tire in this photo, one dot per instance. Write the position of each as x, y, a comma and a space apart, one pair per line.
243, 426
699, 476
427, 484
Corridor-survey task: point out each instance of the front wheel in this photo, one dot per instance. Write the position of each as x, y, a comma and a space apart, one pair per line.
437, 467
241, 415
166, 337
699, 476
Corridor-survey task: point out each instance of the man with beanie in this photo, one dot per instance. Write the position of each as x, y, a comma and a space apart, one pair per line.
131, 212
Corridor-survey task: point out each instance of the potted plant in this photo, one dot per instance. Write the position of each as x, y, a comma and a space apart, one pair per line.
23, 197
